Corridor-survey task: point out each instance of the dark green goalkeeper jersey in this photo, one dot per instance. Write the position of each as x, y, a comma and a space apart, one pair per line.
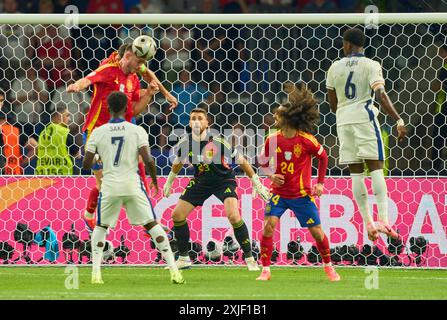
211, 158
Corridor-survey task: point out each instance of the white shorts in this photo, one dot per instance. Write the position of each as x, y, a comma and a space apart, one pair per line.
139, 210
360, 141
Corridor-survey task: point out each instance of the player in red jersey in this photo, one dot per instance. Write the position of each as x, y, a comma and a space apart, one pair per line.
116, 75
147, 74
287, 156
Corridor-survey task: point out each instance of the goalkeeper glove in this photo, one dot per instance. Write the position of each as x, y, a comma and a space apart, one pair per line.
260, 189
168, 185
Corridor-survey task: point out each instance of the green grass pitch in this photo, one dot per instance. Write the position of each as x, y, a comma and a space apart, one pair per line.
233, 283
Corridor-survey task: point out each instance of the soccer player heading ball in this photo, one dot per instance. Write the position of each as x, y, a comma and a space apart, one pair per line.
210, 155
352, 83
119, 73
287, 161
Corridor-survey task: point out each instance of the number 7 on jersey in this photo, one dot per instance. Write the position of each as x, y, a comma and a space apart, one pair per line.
119, 149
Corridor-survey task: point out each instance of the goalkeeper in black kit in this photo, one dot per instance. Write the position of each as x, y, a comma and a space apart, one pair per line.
210, 155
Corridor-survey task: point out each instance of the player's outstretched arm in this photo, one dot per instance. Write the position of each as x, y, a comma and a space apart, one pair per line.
386, 103
145, 97
176, 167
149, 76
258, 187
149, 163
79, 85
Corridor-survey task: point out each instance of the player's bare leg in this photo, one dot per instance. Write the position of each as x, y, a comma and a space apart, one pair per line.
181, 230
92, 202
162, 243
240, 231
361, 198
267, 246
325, 252
381, 194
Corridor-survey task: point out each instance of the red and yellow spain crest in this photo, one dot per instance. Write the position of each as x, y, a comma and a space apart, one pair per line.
129, 85
297, 150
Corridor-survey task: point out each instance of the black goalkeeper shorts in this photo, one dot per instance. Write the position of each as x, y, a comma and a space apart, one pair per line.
196, 192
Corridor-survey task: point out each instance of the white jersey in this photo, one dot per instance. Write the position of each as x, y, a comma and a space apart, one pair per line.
354, 79
117, 144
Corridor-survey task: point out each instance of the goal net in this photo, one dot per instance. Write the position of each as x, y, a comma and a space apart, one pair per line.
234, 66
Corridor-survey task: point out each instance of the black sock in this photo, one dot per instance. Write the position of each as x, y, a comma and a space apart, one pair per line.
181, 231
242, 237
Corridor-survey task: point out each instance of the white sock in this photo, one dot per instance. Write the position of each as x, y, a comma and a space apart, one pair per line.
327, 264
361, 196
266, 269
98, 236
381, 194
163, 246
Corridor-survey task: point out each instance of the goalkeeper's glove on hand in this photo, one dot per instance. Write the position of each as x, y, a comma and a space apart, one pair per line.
260, 189
168, 185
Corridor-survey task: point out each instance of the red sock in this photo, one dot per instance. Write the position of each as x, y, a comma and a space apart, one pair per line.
92, 201
142, 173
325, 251
266, 250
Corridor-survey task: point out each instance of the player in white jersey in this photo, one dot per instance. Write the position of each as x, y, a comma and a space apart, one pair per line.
118, 144
353, 83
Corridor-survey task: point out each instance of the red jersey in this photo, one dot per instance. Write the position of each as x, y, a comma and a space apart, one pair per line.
292, 158
107, 78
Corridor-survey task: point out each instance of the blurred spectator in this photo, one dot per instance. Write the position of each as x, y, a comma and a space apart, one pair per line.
28, 96
176, 43
10, 6
53, 49
219, 57
235, 6
277, 6
161, 152
320, 6
184, 6
268, 125
14, 49
56, 145
59, 5
13, 144
129, 32
77, 104
105, 6
151, 6
189, 95
440, 121
209, 6
350, 5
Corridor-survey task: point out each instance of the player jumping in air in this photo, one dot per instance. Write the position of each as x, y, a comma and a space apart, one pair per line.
119, 143
147, 74
115, 75
352, 83
210, 156
287, 161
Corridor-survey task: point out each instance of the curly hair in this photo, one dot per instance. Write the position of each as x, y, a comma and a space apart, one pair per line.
300, 111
